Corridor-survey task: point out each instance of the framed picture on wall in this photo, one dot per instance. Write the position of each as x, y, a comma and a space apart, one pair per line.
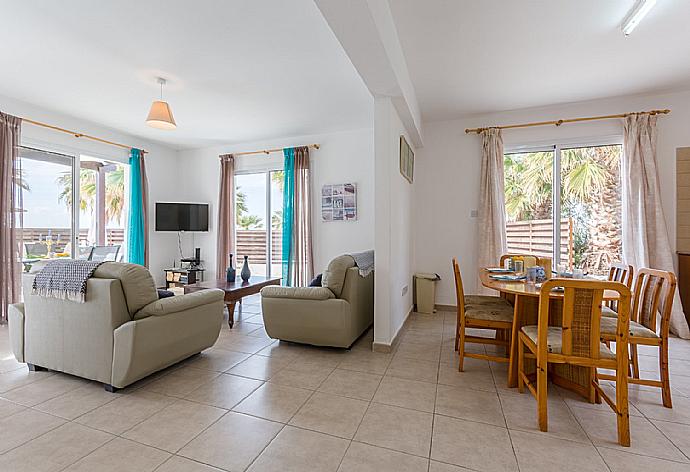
406, 160
339, 202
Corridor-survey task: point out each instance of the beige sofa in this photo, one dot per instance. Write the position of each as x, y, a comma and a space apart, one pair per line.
335, 314
122, 332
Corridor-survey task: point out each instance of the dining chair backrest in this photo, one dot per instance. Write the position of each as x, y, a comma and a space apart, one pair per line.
104, 253
623, 273
509, 255
654, 292
39, 249
459, 291
581, 315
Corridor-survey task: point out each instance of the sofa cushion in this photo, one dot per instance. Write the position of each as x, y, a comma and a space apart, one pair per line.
334, 276
136, 281
301, 293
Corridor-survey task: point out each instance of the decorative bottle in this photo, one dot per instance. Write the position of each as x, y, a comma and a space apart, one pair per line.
246, 273
231, 273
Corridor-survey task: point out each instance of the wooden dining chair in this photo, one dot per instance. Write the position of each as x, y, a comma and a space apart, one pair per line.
575, 340
496, 314
654, 292
618, 272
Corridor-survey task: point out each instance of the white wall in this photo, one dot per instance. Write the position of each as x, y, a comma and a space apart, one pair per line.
343, 158
447, 172
161, 163
394, 226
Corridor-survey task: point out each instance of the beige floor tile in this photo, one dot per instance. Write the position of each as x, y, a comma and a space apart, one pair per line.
274, 402
296, 375
649, 404
621, 461
244, 344
422, 337
351, 384
477, 446
521, 414
476, 375
181, 382
424, 352
126, 411
645, 438
20, 377
538, 453
573, 400
175, 425
77, 402
217, 360
365, 458
8, 408
396, 428
180, 464
24, 426
318, 452
54, 450
412, 369
473, 405
281, 350
224, 391
323, 357
233, 442
407, 394
120, 454
259, 367
366, 361
679, 434
331, 414
435, 466
44, 389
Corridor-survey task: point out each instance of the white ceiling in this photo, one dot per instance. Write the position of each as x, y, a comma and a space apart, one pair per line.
468, 57
239, 70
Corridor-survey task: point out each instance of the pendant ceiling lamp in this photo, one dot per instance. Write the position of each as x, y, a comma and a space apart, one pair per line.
160, 115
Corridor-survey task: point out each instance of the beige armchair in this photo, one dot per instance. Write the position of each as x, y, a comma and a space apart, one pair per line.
122, 332
335, 314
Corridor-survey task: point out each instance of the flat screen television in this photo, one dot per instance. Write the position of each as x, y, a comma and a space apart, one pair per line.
181, 216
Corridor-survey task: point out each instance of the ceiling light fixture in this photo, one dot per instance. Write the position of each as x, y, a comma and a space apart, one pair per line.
160, 115
641, 8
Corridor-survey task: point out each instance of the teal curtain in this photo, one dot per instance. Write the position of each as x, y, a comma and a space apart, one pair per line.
136, 228
288, 212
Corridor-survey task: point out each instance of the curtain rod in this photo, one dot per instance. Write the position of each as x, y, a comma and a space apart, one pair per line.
269, 151
78, 135
570, 120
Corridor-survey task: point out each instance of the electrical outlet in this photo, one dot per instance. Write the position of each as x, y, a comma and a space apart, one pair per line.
404, 290
474, 213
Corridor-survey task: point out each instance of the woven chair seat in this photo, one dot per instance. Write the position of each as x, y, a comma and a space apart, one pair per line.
554, 341
480, 300
490, 313
608, 312
608, 327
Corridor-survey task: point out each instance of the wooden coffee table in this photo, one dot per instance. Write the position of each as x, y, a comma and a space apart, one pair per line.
234, 291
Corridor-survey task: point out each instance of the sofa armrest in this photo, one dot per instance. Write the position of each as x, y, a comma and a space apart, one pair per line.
15, 318
167, 306
297, 293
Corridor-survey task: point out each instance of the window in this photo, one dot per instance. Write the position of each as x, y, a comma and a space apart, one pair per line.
586, 196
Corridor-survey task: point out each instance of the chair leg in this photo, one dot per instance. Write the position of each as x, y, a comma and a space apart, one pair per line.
521, 365
542, 395
622, 414
457, 332
635, 361
461, 348
665, 378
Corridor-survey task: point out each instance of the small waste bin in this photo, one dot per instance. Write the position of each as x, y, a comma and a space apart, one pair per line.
425, 286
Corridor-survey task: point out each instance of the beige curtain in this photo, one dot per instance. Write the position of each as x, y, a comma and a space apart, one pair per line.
10, 212
303, 261
226, 214
645, 236
492, 219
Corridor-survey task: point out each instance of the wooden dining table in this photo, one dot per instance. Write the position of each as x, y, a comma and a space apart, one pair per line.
525, 299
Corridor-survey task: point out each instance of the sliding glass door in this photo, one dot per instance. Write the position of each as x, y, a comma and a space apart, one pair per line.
574, 218
259, 221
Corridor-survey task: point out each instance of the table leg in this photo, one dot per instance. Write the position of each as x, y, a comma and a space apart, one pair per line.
231, 312
513, 365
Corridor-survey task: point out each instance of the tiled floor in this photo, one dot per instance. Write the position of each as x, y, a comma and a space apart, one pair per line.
250, 403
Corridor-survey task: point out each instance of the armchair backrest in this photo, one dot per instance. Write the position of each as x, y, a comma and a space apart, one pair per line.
334, 276
137, 283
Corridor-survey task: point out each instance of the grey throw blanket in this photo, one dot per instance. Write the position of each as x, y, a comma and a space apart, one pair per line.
64, 279
364, 261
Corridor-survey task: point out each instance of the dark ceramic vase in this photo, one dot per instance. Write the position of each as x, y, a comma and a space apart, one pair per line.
231, 273
246, 273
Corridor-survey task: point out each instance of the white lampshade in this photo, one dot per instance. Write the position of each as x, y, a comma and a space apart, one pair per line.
160, 116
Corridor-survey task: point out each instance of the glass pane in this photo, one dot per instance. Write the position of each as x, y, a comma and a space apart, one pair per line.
591, 206
45, 184
250, 225
277, 179
102, 209
529, 203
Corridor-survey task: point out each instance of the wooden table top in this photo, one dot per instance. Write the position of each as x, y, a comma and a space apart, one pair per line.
255, 282
525, 289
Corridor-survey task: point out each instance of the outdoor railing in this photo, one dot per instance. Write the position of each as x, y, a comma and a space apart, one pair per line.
61, 236
252, 243
536, 237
